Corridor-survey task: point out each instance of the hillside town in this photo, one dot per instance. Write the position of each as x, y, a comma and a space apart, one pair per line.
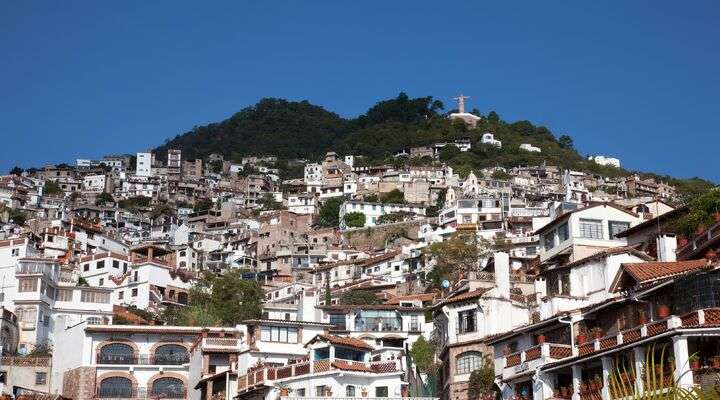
354, 280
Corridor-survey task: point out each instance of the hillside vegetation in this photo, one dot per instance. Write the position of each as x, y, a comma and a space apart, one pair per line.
288, 130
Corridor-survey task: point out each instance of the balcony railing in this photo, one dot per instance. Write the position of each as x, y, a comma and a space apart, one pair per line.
125, 392
161, 359
697, 319
220, 342
262, 375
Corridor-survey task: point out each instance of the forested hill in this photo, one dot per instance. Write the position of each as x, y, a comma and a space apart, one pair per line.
290, 130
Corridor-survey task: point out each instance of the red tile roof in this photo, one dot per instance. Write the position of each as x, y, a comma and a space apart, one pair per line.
652, 271
466, 296
347, 366
345, 341
411, 297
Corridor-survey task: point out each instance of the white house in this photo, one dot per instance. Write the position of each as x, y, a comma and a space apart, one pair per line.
602, 160
373, 211
489, 138
530, 148
143, 164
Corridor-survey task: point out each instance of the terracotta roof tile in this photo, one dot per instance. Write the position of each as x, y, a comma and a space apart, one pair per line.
347, 366
346, 341
652, 271
466, 296
421, 297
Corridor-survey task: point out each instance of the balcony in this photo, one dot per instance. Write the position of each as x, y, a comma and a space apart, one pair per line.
534, 357
125, 392
267, 375
220, 344
145, 359
526, 360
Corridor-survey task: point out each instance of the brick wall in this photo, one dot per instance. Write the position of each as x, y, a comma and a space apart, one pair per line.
79, 383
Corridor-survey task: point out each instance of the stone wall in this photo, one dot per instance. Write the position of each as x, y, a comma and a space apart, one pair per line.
79, 383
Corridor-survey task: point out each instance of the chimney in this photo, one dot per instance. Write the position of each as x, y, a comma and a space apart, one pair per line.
502, 274
666, 247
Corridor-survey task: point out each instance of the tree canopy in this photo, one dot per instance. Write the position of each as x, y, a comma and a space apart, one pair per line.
354, 219
329, 214
359, 297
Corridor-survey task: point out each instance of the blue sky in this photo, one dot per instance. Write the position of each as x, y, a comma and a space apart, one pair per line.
635, 80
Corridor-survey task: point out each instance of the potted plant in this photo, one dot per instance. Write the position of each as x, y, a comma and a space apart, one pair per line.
663, 310
328, 391
711, 254
565, 392
716, 362
364, 391
597, 332
541, 338
284, 389
642, 317
682, 241
694, 362
582, 336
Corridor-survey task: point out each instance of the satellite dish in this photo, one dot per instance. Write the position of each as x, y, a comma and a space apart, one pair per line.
446, 283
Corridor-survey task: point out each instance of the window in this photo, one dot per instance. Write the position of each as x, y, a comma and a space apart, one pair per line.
101, 282
531, 250
279, 334
549, 240
121, 294
563, 232
350, 391
41, 378
338, 320
134, 292
116, 264
115, 387
615, 227
89, 296
116, 353
320, 391
287, 316
300, 392
100, 264
466, 321
86, 267
15, 252
27, 285
169, 388
171, 354
558, 283
468, 362
591, 229
94, 321
381, 391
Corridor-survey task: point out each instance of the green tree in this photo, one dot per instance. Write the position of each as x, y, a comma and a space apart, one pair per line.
354, 219
395, 196
359, 297
423, 354
481, 384
456, 257
203, 205
216, 167
267, 202
134, 203
501, 175
221, 300
395, 217
18, 217
449, 152
566, 142
103, 198
52, 188
16, 170
329, 214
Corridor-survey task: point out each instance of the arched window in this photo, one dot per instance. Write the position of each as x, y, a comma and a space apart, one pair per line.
116, 353
115, 387
468, 362
171, 388
171, 354
350, 391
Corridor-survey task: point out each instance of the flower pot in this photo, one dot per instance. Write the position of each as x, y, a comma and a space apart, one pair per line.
711, 254
581, 339
682, 241
541, 339
284, 392
716, 362
597, 334
695, 365
663, 311
364, 393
